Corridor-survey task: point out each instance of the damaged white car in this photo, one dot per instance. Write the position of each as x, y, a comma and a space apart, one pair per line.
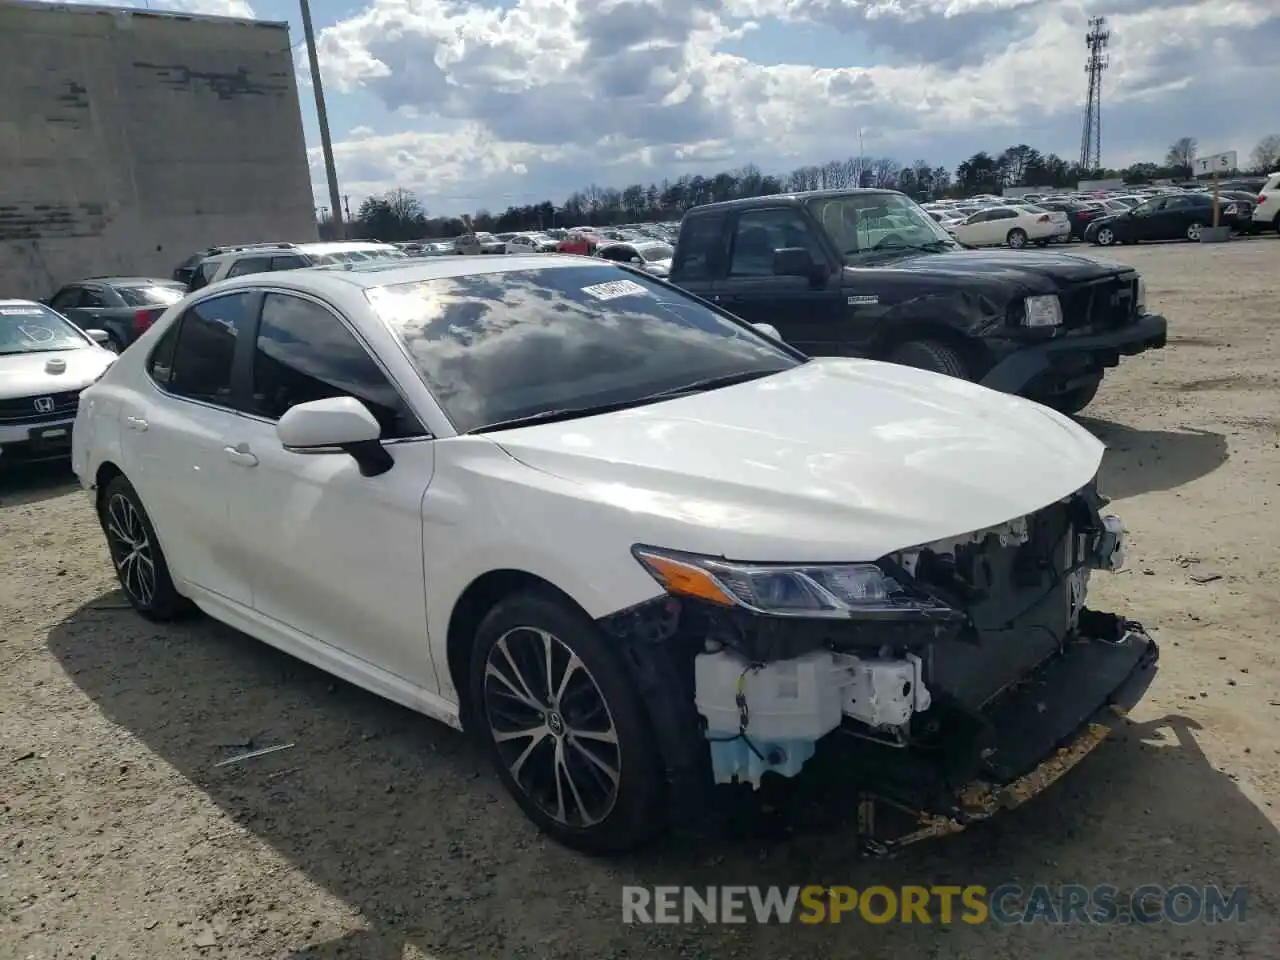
639, 548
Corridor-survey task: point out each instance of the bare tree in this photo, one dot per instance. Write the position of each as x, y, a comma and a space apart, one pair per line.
884, 172
403, 205
1266, 155
1182, 154
834, 176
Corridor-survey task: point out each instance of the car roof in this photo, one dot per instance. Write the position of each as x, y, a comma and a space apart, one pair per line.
18, 303
385, 273
127, 282
793, 197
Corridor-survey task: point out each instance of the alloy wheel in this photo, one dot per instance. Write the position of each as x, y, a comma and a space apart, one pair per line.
1193, 232
131, 550
552, 726
1106, 237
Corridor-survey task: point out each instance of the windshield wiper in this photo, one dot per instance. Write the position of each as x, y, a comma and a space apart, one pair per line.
930, 246
711, 383
590, 410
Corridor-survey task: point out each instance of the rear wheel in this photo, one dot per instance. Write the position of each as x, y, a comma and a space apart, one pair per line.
1017, 238
1105, 237
1193, 231
135, 552
931, 355
564, 725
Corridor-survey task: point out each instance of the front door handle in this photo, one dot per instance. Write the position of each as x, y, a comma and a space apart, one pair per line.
136, 423
241, 456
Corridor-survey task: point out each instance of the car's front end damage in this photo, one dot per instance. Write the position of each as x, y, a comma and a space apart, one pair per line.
948, 681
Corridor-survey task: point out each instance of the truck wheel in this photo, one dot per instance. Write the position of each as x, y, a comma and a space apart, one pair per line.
1073, 401
1017, 238
933, 356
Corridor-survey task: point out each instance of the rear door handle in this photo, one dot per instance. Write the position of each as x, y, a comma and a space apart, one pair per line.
136, 423
241, 456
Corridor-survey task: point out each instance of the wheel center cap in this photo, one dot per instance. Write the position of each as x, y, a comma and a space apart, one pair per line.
555, 723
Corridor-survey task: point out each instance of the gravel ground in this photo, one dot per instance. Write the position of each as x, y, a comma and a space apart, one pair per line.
382, 835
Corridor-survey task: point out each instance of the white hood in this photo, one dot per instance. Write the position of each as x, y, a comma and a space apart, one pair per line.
35, 374
834, 460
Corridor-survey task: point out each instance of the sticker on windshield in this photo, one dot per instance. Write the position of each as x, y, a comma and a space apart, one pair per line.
37, 334
21, 312
615, 289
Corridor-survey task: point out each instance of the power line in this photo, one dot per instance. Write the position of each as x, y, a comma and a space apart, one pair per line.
1091, 137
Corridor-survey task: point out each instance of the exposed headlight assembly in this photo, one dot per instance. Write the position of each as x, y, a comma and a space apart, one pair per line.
1045, 311
838, 590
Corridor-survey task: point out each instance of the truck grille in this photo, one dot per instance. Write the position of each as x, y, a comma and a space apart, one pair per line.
1101, 304
24, 409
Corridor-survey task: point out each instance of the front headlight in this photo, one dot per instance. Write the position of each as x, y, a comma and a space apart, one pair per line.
1043, 311
794, 590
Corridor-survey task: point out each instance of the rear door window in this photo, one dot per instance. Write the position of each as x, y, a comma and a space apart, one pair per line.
247, 265
204, 353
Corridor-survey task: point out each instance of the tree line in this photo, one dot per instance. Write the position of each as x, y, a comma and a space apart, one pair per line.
399, 215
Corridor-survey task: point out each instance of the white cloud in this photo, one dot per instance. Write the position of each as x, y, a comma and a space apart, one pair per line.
550, 94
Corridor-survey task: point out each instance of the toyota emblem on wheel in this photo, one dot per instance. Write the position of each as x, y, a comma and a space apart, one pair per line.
44, 404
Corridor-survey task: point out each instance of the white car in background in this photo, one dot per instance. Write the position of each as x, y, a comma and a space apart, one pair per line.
635, 546
45, 361
1012, 225
1267, 211
532, 243
651, 256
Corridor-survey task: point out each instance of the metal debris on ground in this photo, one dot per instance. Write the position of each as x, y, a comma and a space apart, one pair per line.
253, 754
1207, 578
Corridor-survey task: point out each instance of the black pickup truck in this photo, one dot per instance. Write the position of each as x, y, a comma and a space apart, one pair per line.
867, 273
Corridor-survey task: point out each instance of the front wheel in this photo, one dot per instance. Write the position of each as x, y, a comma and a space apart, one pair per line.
1073, 401
564, 725
135, 552
1105, 237
933, 356
1193, 232
1017, 238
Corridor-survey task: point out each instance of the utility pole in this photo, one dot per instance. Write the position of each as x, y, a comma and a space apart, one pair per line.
1091, 136
322, 115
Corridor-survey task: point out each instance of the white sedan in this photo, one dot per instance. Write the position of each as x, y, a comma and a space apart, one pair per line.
531, 243
636, 547
1014, 225
45, 361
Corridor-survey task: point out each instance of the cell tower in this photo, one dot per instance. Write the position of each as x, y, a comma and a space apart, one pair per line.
1091, 138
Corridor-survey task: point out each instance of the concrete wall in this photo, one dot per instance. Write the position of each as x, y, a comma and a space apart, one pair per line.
130, 139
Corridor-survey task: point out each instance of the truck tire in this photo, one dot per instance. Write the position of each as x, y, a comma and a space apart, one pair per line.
933, 356
1073, 401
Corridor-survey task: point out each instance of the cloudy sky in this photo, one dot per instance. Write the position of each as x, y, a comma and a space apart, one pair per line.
495, 102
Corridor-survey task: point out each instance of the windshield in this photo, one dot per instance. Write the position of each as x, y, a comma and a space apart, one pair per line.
156, 295
494, 347
656, 251
862, 223
31, 328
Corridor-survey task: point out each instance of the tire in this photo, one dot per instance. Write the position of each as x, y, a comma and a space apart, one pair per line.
1017, 238
1105, 237
132, 541
1075, 400
1276, 223
1193, 231
933, 356
594, 812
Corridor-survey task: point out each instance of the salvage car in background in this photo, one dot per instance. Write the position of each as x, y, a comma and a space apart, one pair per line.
45, 361
651, 256
1178, 216
1014, 226
123, 306
633, 545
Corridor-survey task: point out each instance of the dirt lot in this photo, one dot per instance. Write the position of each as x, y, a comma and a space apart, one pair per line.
381, 835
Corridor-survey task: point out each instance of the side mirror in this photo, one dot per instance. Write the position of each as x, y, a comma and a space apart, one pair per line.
100, 337
333, 425
769, 330
793, 262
